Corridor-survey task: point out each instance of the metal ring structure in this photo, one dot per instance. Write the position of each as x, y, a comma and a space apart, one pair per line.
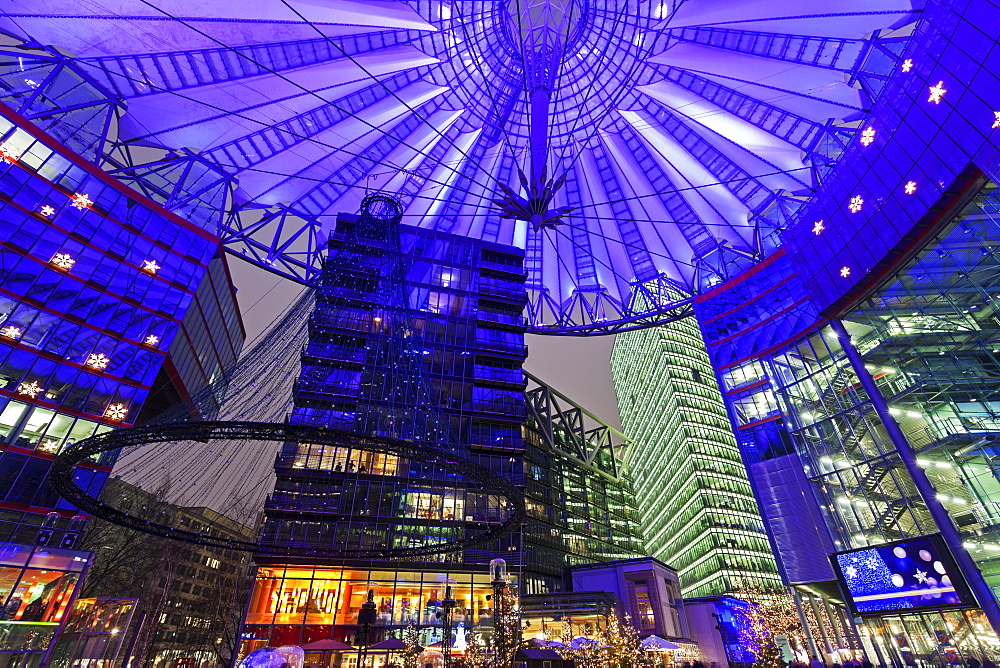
61, 479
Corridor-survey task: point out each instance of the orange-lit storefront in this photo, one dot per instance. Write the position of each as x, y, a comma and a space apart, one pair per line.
297, 605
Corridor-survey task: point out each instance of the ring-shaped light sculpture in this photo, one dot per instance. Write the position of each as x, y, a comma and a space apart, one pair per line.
478, 479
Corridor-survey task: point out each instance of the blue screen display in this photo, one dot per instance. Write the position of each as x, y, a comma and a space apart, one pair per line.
906, 575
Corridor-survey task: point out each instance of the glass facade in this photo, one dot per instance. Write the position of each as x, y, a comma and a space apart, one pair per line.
700, 514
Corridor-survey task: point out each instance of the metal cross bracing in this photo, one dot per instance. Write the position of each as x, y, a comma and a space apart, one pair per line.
626, 142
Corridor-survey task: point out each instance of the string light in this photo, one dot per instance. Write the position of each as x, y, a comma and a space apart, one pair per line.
937, 93
11, 332
856, 203
29, 389
64, 261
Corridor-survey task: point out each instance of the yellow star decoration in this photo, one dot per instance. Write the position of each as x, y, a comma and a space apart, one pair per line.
856, 203
152, 340
818, 227
150, 266
98, 361
910, 187
996, 122
907, 65
82, 201
845, 272
64, 261
868, 136
116, 412
11, 332
937, 93
47, 211
29, 389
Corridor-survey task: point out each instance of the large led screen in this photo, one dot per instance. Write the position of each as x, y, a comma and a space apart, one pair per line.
912, 574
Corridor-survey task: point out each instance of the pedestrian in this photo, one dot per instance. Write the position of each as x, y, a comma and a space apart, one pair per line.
973, 662
816, 663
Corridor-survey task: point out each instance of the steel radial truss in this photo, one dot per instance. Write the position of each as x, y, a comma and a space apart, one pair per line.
636, 149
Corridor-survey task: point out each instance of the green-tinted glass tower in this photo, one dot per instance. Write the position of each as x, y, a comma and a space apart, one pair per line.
699, 511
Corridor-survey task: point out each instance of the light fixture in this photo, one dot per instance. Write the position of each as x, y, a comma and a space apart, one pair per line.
11, 332
82, 201
29, 389
845, 272
856, 203
151, 340
868, 136
818, 227
996, 120
116, 412
150, 266
98, 361
907, 65
910, 187
937, 93
47, 210
64, 261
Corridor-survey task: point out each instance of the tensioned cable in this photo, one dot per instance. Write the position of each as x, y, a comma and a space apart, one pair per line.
403, 102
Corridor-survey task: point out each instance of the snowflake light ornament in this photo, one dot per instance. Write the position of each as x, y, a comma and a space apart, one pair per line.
151, 340
996, 121
11, 332
150, 266
937, 93
856, 203
116, 412
98, 361
48, 445
868, 136
64, 261
8, 153
910, 187
907, 65
845, 272
29, 389
82, 201
818, 227
47, 211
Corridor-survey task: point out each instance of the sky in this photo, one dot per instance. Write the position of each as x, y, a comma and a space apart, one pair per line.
576, 366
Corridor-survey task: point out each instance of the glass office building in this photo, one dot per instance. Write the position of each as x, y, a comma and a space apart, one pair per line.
699, 512
106, 299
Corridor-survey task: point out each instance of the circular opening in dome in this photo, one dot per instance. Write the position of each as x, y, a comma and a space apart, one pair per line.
381, 207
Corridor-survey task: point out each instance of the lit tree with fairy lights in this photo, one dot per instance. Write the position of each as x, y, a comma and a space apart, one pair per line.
770, 613
411, 655
616, 646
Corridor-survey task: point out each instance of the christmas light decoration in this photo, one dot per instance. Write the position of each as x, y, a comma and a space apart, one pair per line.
907, 65
8, 153
910, 187
937, 93
11, 332
82, 201
856, 203
868, 136
818, 227
770, 613
151, 340
29, 389
116, 412
616, 645
845, 272
97, 361
996, 121
47, 211
64, 261
150, 266
49, 445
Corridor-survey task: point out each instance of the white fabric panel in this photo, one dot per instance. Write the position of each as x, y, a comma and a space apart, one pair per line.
789, 16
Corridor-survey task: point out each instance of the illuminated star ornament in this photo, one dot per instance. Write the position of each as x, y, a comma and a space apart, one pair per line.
98, 361
8, 154
116, 412
818, 227
29, 389
152, 340
845, 272
82, 201
64, 261
11, 332
150, 266
910, 187
907, 65
937, 93
47, 211
996, 121
856, 203
868, 136
920, 576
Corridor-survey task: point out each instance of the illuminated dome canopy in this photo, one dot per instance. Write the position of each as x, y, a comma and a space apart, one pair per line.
640, 151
